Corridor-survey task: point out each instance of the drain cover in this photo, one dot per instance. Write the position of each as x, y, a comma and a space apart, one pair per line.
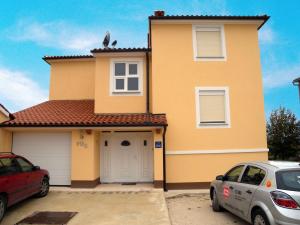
45, 218
129, 183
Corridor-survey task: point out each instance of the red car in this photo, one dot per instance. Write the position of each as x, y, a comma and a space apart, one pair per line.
20, 179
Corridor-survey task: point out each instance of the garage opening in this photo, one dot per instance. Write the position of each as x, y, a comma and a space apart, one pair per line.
50, 151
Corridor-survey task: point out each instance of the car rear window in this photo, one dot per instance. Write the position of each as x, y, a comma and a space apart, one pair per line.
288, 180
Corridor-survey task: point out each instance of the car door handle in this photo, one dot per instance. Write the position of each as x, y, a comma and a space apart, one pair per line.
231, 187
249, 192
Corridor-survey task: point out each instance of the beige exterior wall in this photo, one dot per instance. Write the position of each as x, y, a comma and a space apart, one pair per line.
5, 136
90, 79
204, 167
85, 155
175, 75
72, 79
107, 103
158, 156
3, 117
5, 140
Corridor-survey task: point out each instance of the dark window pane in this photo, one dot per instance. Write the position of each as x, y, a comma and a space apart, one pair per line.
288, 180
234, 174
253, 175
2, 169
132, 69
25, 166
10, 165
119, 84
120, 69
133, 84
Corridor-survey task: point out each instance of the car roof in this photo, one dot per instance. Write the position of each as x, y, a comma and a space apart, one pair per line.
277, 165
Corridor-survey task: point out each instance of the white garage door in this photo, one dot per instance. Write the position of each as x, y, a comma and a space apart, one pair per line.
50, 151
126, 157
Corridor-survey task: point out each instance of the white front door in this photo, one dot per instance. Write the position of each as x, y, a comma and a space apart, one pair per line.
126, 157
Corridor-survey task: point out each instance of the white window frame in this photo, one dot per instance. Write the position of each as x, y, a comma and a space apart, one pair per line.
227, 123
209, 28
127, 61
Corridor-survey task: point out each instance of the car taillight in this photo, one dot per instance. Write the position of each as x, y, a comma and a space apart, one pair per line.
284, 200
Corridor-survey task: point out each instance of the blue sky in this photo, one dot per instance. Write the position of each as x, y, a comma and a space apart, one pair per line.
30, 31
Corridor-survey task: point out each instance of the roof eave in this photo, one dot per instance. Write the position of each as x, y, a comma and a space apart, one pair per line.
120, 50
263, 18
80, 125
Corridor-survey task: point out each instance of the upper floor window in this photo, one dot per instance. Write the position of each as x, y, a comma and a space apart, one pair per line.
212, 107
126, 76
209, 43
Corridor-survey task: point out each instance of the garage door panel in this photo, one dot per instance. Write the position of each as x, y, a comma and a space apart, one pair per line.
51, 151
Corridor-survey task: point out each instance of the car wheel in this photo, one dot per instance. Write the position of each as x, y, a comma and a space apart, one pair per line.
215, 203
3, 203
44, 188
260, 218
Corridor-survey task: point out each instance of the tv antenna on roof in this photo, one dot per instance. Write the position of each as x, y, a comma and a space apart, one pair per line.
114, 43
106, 40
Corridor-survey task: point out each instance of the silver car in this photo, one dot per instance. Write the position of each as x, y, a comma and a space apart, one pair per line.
262, 193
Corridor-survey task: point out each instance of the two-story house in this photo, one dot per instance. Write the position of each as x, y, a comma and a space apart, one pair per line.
176, 113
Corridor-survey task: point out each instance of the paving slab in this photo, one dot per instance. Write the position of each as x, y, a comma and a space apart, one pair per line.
98, 208
194, 208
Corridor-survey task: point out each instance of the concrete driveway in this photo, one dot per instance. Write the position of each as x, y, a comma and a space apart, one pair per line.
195, 209
98, 208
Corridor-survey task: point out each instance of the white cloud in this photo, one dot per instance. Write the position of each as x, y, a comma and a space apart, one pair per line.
266, 35
281, 76
59, 35
72, 38
19, 91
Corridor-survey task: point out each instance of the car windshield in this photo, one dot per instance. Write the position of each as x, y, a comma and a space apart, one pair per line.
288, 180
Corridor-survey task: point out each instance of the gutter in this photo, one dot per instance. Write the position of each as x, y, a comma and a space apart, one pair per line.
164, 159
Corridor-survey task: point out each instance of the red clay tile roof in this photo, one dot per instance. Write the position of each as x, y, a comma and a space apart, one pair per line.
47, 57
79, 113
104, 50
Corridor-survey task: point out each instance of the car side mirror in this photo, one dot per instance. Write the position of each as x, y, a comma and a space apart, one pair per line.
220, 177
35, 168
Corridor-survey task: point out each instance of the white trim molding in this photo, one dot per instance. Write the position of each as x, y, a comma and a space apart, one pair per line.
198, 27
219, 151
140, 68
227, 123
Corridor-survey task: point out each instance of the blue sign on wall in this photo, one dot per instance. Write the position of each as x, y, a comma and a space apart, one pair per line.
158, 144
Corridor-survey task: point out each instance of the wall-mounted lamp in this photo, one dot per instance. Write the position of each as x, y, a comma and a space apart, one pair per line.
296, 82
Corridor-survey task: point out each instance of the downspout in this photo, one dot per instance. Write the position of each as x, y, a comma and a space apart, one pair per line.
164, 159
147, 84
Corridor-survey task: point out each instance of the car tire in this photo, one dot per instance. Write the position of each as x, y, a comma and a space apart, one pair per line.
3, 205
44, 188
260, 218
215, 202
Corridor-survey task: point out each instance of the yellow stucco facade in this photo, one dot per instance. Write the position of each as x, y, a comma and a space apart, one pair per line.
191, 152
71, 80
240, 73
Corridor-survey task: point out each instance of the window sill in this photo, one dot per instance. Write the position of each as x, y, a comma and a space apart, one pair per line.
126, 93
221, 58
213, 125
